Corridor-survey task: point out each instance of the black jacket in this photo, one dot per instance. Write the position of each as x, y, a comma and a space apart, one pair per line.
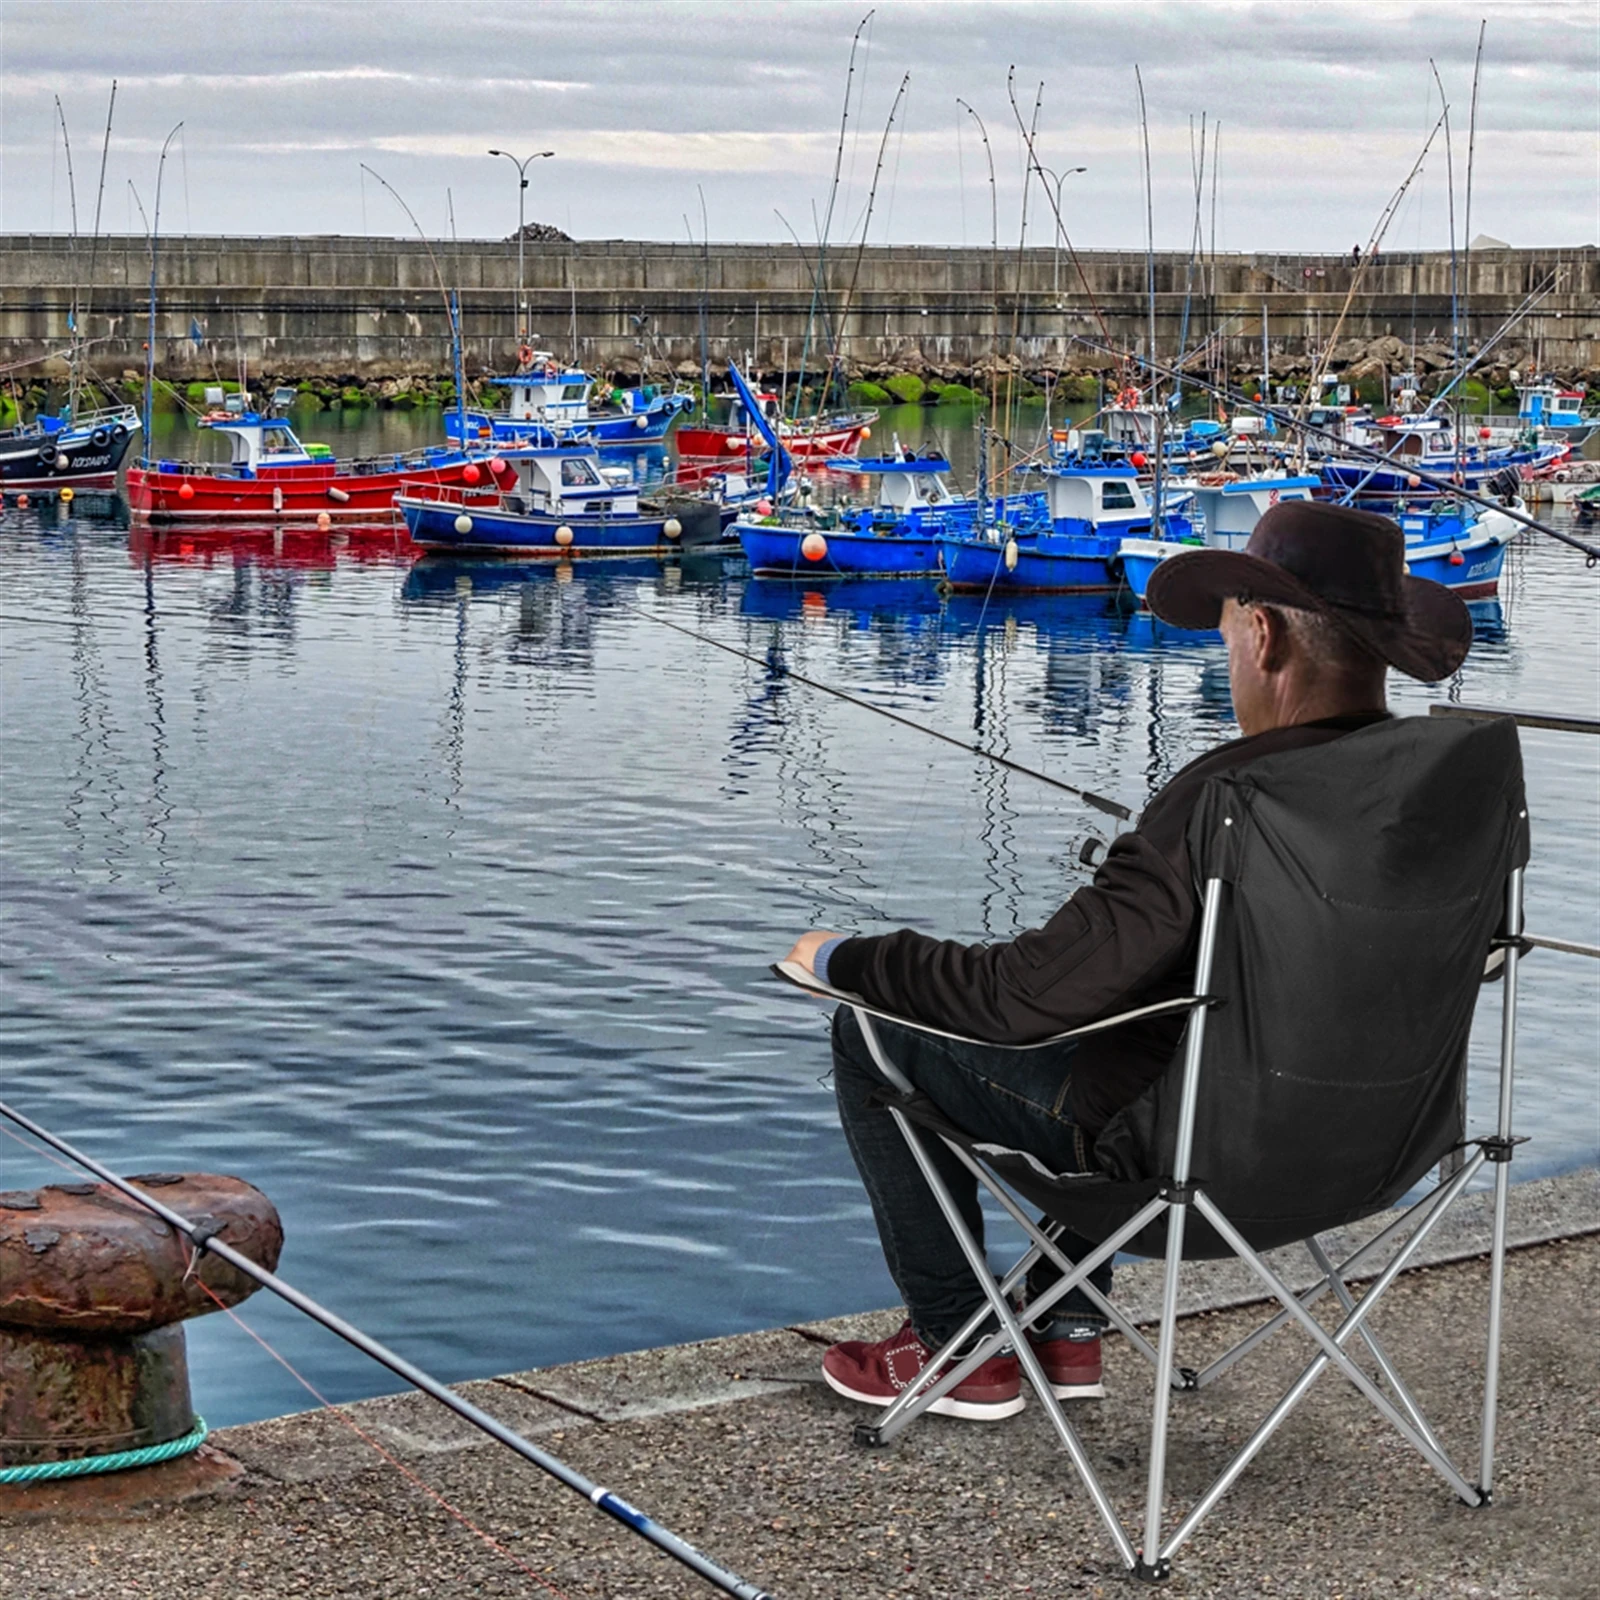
1124, 940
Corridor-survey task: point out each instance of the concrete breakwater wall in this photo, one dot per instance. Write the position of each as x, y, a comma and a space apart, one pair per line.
365, 309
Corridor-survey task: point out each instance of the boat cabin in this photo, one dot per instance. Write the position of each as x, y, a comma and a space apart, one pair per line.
1227, 513
568, 480
771, 411
546, 392
1543, 405
1089, 489
907, 482
1404, 437
256, 442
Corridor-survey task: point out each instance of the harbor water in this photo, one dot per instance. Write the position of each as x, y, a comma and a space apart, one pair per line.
437, 898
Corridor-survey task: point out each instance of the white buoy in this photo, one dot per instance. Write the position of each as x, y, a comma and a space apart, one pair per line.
672, 527
1219, 449
463, 523
335, 493
563, 536
1011, 555
641, 422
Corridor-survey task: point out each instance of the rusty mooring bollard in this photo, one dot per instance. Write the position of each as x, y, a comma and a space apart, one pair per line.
93, 1294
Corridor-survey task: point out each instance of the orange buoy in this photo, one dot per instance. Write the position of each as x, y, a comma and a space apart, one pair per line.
813, 547
22, 502
186, 490
866, 433
1457, 559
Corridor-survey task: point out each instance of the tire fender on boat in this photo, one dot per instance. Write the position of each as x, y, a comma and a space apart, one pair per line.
100, 438
277, 498
47, 454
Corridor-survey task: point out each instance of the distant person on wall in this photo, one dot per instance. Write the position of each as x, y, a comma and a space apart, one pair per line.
1313, 611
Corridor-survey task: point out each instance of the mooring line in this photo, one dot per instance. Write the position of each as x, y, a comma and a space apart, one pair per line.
1111, 808
205, 1238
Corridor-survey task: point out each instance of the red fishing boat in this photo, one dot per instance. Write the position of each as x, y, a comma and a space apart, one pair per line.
272, 477
838, 433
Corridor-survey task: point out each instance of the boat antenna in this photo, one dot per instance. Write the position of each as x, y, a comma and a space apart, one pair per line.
150, 341
1157, 411
994, 259
72, 252
837, 355
202, 1236
1197, 170
1358, 277
94, 244
1022, 238
1472, 145
451, 305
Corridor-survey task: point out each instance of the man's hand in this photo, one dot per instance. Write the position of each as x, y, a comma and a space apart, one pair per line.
806, 947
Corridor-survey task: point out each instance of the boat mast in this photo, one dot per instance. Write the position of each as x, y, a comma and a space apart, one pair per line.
150, 341
94, 248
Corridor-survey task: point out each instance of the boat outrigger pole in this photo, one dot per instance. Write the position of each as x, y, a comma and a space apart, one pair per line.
203, 1237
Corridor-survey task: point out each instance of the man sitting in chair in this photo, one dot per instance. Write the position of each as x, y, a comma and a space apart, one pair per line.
1313, 611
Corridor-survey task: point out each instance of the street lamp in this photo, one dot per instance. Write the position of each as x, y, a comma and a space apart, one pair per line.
520, 320
1060, 178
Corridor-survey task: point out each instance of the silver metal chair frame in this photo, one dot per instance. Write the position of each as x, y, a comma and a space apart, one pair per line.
1152, 1558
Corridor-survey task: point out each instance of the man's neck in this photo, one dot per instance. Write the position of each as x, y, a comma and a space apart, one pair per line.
1319, 701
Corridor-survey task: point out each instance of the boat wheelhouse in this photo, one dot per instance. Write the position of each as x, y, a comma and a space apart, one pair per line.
547, 403
1545, 405
270, 475
556, 500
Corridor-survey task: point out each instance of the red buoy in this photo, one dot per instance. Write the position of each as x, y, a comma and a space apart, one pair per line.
1457, 559
186, 490
1138, 459
470, 473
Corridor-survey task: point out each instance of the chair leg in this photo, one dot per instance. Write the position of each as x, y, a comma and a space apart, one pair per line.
1152, 1565
1001, 1307
1502, 1147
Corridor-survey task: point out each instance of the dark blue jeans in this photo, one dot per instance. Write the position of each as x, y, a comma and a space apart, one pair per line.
1013, 1097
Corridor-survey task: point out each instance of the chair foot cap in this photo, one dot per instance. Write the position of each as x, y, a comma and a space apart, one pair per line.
1157, 1571
868, 1436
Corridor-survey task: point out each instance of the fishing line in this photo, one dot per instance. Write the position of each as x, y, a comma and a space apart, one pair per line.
204, 1237
1241, 401
770, 663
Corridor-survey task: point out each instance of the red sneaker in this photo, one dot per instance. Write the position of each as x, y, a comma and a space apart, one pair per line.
876, 1373
1072, 1366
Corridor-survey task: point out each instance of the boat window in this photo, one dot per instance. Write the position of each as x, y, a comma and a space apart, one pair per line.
1115, 495
577, 472
278, 442
572, 391
931, 490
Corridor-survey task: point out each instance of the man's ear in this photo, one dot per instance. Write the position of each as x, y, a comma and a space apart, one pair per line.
1270, 638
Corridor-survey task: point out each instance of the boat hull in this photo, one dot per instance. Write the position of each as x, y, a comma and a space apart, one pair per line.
777, 552
1051, 565
437, 525
802, 443
343, 491
39, 463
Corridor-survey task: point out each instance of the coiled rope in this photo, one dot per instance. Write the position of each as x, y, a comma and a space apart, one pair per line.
117, 1461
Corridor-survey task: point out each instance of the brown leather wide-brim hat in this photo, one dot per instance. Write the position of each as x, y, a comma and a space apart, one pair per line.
1349, 565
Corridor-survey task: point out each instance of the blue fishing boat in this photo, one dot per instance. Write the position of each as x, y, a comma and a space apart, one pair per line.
1093, 501
67, 451
548, 403
896, 536
1222, 513
1427, 444
559, 503
1459, 545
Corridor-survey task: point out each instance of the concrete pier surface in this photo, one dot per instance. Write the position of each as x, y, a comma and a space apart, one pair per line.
737, 1445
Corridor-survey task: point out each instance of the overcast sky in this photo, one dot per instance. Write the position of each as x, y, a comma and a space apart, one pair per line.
1323, 110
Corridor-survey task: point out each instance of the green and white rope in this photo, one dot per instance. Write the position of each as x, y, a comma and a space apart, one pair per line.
117, 1461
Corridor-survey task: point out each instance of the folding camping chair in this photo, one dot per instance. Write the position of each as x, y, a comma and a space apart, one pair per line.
1355, 896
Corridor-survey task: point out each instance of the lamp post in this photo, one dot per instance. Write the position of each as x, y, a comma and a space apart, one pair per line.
520, 321
1059, 179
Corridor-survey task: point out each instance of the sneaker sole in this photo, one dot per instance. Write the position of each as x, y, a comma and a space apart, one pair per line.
966, 1410
1078, 1391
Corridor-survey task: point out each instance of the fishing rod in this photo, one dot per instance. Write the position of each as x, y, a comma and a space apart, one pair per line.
1241, 401
770, 663
202, 1236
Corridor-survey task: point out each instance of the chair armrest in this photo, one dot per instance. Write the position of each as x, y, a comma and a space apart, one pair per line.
803, 978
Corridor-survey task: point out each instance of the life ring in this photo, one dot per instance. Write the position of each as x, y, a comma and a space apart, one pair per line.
100, 438
1128, 397
524, 357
